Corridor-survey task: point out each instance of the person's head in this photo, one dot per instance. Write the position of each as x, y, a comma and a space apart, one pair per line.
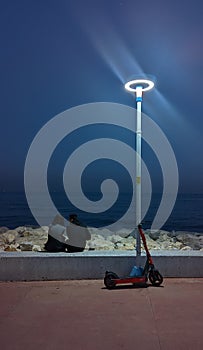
72, 217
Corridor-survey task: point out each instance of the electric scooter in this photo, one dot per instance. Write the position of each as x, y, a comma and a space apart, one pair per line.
111, 279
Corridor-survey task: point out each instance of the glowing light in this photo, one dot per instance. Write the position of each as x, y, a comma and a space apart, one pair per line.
135, 85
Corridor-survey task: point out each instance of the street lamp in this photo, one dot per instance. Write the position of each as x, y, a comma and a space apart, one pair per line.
138, 86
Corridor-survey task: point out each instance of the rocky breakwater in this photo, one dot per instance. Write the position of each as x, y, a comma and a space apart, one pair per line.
23, 239
33, 239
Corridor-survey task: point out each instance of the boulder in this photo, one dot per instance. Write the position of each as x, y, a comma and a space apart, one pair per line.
36, 248
154, 234
189, 240
186, 247
99, 243
125, 233
124, 246
11, 248
115, 239
129, 246
10, 236
33, 239
172, 234
3, 229
26, 246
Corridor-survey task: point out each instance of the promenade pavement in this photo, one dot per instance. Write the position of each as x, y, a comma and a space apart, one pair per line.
83, 314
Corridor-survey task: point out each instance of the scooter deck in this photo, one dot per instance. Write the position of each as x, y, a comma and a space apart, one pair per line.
133, 280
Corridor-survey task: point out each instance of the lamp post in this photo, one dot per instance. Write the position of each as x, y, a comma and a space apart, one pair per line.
138, 86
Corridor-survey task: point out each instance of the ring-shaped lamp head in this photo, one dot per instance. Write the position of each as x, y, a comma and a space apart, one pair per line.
145, 84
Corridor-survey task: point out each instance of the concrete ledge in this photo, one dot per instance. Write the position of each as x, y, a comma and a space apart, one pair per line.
34, 266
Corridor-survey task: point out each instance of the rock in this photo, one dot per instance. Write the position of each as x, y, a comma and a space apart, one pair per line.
129, 246
99, 243
115, 239
133, 233
91, 245
26, 246
25, 233
34, 238
186, 247
201, 241
11, 248
178, 245
172, 234
45, 229
118, 245
129, 240
102, 232
189, 240
3, 229
164, 237
124, 246
125, 233
36, 248
10, 236
39, 232
154, 234
21, 229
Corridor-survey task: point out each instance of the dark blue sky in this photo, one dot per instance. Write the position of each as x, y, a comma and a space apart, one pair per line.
59, 54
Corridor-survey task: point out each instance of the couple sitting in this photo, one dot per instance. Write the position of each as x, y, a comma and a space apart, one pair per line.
69, 239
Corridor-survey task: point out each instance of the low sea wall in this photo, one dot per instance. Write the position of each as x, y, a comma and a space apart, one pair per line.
38, 266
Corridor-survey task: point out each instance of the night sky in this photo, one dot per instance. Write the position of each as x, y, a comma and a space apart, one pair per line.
60, 54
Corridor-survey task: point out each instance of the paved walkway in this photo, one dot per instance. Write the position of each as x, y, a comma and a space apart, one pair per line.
84, 315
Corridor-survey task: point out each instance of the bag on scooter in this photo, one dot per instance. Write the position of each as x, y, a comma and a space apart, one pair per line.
136, 271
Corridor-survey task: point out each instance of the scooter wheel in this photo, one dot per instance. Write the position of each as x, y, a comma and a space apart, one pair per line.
109, 280
155, 278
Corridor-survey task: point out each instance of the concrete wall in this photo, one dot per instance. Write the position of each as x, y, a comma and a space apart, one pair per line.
28, 266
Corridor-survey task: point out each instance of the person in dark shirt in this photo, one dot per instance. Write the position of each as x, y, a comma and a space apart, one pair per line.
54, 243
71, 239
77, 237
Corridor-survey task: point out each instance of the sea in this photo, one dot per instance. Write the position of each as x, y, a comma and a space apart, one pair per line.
187, 214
